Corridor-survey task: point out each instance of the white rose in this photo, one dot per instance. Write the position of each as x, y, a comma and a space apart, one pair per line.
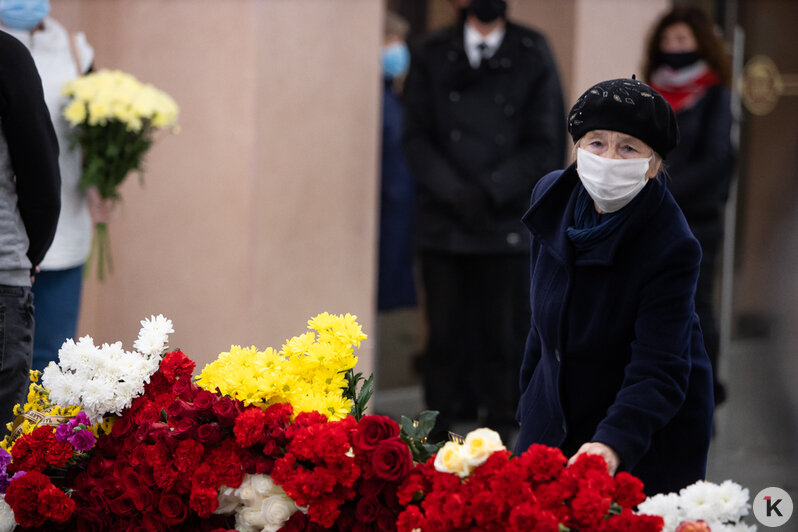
250, 517
7, 522
228, 501
263, 484
277, 509
450, 460
479, 445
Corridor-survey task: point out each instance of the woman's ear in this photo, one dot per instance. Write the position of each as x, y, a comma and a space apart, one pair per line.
654, 166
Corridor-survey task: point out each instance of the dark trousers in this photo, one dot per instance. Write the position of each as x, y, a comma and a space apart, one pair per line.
709, 235
57, 295
16, 346
478, 316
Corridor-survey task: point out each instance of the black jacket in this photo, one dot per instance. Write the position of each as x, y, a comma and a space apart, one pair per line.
477, 140
701, 165
32, 145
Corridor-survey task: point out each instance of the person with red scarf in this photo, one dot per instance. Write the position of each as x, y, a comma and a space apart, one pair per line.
688, 65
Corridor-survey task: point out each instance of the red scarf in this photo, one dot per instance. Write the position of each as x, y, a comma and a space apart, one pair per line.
685, 86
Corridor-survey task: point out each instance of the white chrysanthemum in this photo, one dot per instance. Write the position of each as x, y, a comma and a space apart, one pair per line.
154, 335
7, 522
733, 500
665, 506
700, 501
64, 389
104, 380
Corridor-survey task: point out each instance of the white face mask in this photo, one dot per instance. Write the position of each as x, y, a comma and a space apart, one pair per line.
612, 183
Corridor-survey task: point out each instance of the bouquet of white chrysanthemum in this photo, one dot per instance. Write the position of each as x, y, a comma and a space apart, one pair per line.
259, 504
105, 380
114, 117
722, 507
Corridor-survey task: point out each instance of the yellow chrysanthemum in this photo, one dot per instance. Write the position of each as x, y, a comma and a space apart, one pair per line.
309, 371
113, 95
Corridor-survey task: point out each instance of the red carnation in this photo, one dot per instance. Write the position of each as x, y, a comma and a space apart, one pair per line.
249, 427
411, 519
176, 365
55, 504
371, 430
529, 517
392, 460
628, 490
187, 455
22, 495
204, 501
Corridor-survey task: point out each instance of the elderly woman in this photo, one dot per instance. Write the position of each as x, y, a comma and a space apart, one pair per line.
615, 362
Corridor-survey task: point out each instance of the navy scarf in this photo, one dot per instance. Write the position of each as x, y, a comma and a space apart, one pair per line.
590, 227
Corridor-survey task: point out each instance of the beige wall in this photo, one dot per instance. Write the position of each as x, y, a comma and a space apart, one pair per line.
261, 212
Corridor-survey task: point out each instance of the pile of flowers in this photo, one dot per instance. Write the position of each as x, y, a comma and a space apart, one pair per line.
263, 441
114, 117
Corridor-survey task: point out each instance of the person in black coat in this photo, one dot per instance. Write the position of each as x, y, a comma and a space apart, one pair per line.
615, 362
688, 65
484, 121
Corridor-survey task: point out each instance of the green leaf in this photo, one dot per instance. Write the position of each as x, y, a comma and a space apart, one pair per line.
426, 422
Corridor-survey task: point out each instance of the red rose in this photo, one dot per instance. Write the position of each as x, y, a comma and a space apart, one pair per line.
179, 409
185, 389
392, 460
204, 401
55, 504
122, 506
371, 430
370, 487
209, 433
173, 509
225, 410
141, 496
186, 427
367, 509
298, 522
386, 520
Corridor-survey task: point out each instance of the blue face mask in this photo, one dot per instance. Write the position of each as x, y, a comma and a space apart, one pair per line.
395, 60
23, 14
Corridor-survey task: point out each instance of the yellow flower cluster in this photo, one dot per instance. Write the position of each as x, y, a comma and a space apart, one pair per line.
38, 400
309, 371
113, 95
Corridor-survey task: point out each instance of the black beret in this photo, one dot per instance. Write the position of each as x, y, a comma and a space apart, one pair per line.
628, 106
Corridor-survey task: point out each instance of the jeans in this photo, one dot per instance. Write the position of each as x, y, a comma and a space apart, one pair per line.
57, 296
16, 348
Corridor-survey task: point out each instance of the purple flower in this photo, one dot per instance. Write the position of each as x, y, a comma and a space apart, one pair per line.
64, 432
83, 440
5, 459
5, 481
81, 418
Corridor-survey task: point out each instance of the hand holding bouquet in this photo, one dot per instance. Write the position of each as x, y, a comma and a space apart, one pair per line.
114, 118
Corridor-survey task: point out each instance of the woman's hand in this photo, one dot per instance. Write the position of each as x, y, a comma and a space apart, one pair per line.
99, 208
605, 451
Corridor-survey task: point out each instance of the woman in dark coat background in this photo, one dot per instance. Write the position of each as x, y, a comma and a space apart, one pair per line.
615, 362
688, 65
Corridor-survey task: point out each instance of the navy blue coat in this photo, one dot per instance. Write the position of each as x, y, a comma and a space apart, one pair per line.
615, 352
